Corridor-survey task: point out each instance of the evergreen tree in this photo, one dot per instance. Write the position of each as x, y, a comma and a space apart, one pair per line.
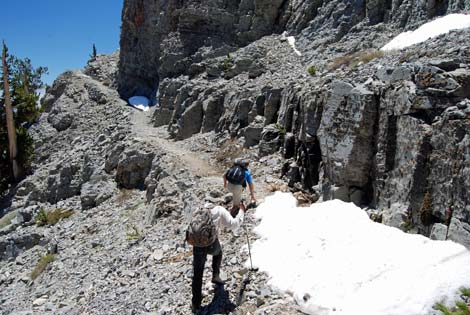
21, 83
93, 54
10, 122
25, 83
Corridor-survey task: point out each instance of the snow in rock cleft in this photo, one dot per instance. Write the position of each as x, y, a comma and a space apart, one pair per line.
334, 260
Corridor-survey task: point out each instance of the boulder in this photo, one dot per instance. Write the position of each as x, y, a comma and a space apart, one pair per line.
133, 167
112, 158
459, 232
213, 108
438, 232
162, 116
95, 192
60, 121
14, 245
104, 68
252, 133
272, 105
293, 174
190, 121
63, 182
390, 74
270, 140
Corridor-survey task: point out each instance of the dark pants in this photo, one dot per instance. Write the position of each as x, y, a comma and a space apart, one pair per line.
199, 260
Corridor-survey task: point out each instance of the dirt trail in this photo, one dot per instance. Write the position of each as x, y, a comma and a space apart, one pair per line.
196, 162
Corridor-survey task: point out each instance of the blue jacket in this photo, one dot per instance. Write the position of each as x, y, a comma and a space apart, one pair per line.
248, 178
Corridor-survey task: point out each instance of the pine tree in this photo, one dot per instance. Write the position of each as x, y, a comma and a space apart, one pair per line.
25, 82
93, 55
18, 108
12, 149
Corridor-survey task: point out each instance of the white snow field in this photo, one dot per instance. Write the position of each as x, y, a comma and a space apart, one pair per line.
429, 30
140, 102
334, 260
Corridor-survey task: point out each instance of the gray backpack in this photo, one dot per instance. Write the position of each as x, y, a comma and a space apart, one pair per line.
201, 231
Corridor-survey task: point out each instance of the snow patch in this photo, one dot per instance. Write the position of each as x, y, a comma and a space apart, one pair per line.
140, 102
429, 30
291, 41
334, 260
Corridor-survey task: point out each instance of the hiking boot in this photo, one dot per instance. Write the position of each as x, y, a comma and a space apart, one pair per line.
195, 308
234, 211
216, 280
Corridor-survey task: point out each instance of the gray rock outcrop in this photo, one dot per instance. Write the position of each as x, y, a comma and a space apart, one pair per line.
365, 128
133, 167
71, 138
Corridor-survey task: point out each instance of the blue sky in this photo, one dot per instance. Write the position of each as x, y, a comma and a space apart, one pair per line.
59, 34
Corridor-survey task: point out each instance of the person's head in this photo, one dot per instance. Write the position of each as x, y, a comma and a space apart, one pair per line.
242, 162
209, 205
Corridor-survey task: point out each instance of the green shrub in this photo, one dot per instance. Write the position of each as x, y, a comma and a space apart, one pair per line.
460, 308
134, 235
41, 217
25, 148
465, 292
44, 261
312, 70
52, 217
228, 62
281, 129
407, 224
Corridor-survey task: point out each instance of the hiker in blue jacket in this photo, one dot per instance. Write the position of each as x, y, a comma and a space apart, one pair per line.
235, 179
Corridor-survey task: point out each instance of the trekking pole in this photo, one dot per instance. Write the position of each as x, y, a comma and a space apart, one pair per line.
249, 248
242, 203
246, 277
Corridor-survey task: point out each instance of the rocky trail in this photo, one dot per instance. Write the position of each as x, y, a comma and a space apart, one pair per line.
126, 255
159, 138
192, 154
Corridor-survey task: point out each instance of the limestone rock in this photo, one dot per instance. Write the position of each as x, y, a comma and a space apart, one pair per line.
133, 167
459, 232
438, 232
95, 192
190, 121
270, 140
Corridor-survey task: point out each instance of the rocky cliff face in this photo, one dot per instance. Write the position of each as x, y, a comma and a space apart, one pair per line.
164, 38
369, 132
168, 38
